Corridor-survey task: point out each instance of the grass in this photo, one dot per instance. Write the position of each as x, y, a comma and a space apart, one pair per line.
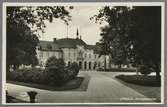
77, 84
140, 80
148, 91
118, 70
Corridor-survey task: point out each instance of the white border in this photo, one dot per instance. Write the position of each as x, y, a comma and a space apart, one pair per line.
5, 4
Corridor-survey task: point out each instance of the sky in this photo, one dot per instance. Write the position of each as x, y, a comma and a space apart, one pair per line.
88, 29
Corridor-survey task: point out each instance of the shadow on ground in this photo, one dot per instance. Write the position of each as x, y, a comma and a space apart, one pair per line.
78, 84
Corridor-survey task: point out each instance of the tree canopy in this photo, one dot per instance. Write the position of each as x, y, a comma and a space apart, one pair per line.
23, 25
132, 35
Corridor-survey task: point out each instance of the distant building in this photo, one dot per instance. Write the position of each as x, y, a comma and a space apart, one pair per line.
72, 50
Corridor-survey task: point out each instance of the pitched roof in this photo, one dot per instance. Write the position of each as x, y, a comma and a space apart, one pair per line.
63, 43
48, 46
69, 42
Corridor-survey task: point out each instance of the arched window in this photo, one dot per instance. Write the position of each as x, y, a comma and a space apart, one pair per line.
95, 64
85, 65
99, 64
90, 65
95, 56
80, 64
85, 55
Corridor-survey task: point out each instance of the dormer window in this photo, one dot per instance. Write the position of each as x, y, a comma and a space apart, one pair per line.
40, 47
49, 47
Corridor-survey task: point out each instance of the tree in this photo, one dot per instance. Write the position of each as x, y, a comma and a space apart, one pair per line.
133, 35
23, 25
114, 35
146, 37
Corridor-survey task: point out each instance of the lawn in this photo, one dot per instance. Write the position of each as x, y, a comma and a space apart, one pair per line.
117, 70
140, 80
146, 85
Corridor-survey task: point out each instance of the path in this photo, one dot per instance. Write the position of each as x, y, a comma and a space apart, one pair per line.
102, 88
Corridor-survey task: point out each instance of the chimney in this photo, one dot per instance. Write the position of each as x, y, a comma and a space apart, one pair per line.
77, 33
54, 39
80, 37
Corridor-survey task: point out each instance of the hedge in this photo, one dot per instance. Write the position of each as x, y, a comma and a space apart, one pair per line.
140, 80
56, 73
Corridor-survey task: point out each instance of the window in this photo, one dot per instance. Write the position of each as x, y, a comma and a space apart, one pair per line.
49, 47
69, 54
85, 65
95, 56
99, 64
80, 64
85, 55
90, 65
74, 54
89, 55
95, 64
40, 47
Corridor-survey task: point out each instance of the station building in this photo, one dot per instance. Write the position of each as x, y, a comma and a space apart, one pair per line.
72, 50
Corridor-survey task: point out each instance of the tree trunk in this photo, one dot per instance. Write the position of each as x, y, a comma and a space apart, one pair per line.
7, 67
158, 75
157, 70
15, 67
109, 61
105, 63
7, 70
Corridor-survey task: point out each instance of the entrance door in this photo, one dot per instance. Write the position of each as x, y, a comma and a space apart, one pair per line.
90, 65
85, 65
80, 64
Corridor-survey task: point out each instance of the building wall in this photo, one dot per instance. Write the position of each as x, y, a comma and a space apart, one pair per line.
88, 59
70, 55
44, 55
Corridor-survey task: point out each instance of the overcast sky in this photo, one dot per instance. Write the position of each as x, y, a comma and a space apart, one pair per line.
88, 29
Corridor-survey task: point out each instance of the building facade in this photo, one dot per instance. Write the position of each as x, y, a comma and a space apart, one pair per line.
72, 50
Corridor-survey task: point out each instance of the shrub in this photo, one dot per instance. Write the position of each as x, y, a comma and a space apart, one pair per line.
144, 70
56, 76
31, 75
140, 80
73, 70
55, 71
53, 61
117, 70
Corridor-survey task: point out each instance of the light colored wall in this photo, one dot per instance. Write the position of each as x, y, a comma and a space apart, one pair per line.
44, 55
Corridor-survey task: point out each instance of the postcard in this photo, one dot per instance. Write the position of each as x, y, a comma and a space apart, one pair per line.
83, 53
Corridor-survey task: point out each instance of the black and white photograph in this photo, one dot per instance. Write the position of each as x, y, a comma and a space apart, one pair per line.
83, 53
